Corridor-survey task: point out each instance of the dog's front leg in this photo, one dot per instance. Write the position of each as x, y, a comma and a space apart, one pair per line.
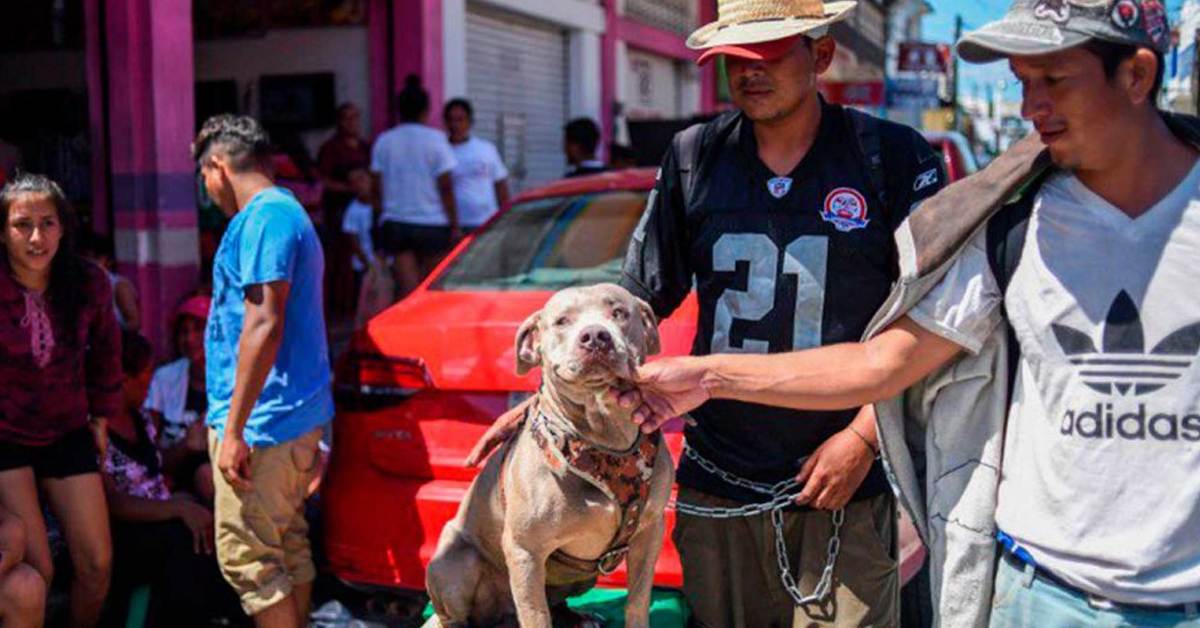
643, 555
527, 578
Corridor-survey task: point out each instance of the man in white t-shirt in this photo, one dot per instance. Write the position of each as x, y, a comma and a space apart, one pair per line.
413, 162
1096, 506
480, 178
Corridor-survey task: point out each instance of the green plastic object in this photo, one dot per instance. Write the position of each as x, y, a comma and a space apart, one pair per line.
139, 605
668, 609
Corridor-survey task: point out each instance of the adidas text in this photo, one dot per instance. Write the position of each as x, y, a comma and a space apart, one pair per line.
1103, 421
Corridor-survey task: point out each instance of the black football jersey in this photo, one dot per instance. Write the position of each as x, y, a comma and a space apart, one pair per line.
778, 264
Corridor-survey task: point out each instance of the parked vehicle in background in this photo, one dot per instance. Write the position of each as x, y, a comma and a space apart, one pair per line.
956, 153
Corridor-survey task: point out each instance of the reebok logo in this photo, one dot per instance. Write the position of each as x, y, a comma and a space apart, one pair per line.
1122, 367
925, 179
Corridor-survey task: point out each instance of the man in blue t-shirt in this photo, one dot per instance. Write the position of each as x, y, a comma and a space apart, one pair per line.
268, 373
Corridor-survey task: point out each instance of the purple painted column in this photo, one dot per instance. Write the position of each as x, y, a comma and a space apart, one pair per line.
151, 119
417, 49
378, 36
708, 74
608, 70
94, 51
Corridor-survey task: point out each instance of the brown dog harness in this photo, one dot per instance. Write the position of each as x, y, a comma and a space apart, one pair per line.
623, 476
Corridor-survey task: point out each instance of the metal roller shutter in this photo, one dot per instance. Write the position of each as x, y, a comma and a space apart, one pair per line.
517, 81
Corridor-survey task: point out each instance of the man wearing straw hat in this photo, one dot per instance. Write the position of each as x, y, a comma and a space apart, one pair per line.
1035, 370
781, 214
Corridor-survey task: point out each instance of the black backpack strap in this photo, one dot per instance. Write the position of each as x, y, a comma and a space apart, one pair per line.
870, 149
687, 154
1006, 231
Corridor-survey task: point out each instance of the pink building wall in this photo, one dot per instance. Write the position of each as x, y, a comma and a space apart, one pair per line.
654, 40
379, 41
140, 78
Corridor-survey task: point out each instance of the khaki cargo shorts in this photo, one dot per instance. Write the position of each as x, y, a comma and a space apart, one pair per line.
262, 537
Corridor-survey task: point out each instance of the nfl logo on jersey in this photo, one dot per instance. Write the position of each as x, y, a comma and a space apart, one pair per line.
845, 209
779, 186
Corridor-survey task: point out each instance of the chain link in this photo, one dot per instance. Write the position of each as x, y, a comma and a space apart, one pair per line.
781, 498
775, 489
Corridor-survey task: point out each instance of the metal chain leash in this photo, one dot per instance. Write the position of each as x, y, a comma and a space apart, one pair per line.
781, 498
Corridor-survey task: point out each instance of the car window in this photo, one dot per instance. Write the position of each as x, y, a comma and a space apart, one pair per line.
549, 244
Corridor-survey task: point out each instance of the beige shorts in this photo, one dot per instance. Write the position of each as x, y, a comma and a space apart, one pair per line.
262, 537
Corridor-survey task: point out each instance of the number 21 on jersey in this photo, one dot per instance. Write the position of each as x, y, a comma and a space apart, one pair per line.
806, 258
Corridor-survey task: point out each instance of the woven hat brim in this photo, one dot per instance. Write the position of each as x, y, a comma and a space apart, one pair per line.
716, 34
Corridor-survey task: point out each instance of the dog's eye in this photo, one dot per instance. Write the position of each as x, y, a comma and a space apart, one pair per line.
620, 314
561, 321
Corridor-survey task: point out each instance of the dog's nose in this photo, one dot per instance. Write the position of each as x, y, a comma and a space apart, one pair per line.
595, 338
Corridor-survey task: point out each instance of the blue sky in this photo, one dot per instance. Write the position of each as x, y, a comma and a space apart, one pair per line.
939, 27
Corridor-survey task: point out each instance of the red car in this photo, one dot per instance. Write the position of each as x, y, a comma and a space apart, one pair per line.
956, 153
425, 378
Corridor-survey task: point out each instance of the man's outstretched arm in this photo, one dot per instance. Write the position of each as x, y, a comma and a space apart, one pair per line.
833, 377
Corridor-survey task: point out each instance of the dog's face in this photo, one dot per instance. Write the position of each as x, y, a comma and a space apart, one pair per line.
588, 338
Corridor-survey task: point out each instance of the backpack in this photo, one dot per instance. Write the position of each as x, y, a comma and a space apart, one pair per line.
1006, 231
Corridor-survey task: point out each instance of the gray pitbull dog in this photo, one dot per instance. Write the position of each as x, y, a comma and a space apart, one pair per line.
577, 490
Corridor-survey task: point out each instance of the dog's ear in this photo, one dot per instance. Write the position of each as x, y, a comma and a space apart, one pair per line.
529, 351
649, 328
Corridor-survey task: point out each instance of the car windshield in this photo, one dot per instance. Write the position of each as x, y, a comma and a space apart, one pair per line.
549, 244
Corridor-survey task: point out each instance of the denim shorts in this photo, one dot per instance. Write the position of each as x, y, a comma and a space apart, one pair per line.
1022, 598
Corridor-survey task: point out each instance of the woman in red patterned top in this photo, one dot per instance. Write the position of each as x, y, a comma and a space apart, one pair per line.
60, 365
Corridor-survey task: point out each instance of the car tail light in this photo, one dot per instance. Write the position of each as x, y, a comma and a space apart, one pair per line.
374, 375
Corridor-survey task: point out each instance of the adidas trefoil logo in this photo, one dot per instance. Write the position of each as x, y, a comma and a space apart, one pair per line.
1122, 364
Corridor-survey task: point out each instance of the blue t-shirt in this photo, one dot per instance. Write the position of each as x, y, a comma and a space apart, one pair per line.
271, 239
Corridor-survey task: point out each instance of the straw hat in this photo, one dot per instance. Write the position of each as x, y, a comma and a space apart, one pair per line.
754, 21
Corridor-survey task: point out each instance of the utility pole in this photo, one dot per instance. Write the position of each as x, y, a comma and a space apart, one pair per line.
958, 28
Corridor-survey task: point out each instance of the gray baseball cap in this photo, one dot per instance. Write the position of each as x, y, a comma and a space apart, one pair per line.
1034, 27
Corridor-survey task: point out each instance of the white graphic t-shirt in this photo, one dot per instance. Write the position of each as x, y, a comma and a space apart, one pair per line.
357, 221
479, 169
1101, 474
409, 159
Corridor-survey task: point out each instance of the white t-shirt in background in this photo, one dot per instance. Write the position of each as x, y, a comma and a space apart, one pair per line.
478, 171
357, 222
409, 159
1101, 474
